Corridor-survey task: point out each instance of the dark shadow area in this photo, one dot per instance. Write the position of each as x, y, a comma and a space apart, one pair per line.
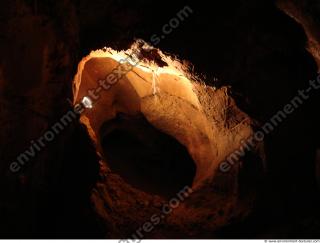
64, 209
145, 157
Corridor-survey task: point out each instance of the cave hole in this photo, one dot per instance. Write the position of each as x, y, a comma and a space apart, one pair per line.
145, 157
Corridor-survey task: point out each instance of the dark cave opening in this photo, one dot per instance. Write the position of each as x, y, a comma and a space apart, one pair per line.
145, 157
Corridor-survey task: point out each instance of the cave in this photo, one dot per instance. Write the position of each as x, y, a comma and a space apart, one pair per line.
169, 135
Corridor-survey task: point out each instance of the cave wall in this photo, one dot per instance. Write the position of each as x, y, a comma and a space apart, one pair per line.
39, 51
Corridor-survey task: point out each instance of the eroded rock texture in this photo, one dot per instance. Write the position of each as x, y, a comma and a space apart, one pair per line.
151, 102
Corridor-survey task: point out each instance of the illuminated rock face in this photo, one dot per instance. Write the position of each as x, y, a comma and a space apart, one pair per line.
169, 101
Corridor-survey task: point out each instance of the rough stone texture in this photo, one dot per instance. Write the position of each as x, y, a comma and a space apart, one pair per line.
204, 119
